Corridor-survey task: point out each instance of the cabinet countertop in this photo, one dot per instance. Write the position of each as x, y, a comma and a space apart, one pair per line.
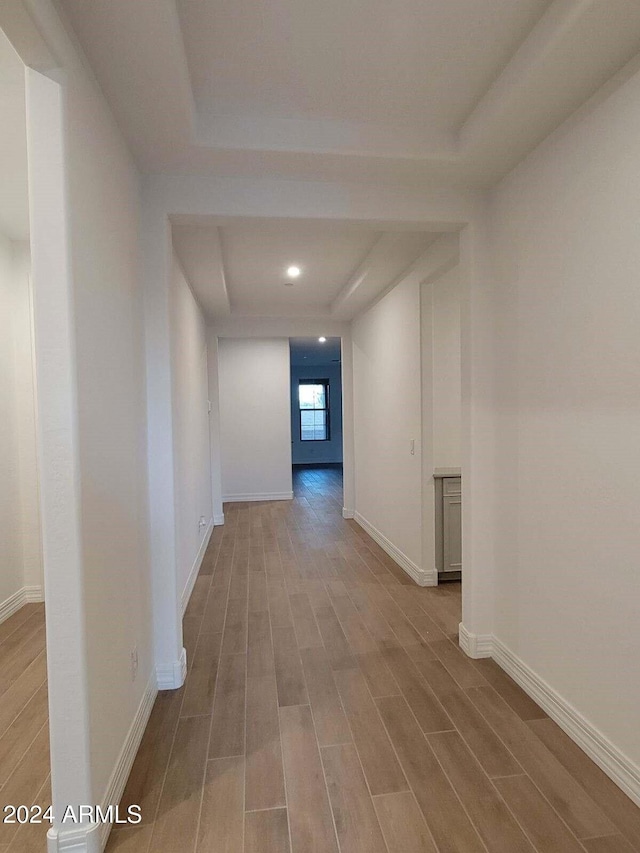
441, 473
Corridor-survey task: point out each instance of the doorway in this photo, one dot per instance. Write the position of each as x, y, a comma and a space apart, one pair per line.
317, 420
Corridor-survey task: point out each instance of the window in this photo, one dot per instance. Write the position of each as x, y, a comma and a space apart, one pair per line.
313, 396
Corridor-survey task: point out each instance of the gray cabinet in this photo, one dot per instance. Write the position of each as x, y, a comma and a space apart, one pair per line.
448, 526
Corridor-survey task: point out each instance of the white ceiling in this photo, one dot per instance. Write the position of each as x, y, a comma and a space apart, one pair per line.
258, 255
428, 94
14, 198
239, 265
309, 352
405, 91
351, 60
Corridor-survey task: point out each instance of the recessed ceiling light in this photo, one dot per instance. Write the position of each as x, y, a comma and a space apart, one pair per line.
322, 340
294, 272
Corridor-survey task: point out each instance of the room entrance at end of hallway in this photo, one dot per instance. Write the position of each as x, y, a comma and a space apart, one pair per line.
316, 419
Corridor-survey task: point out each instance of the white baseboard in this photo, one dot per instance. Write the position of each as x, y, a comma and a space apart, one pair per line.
421, 576
85, 838
195, 568
92, 837
171, 676
33, 594
118, 781
23, 596
618, 766
218, 520
12, 604
258, 496
475, 645
347, 513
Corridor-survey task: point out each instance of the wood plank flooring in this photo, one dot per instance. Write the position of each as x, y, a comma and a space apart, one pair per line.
329, 708
24, 726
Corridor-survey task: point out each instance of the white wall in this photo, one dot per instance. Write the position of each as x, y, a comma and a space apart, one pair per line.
109, 333
20, 540
565, 272
255, 419
445, 293
214, 427
84, 205
317, 451
11, 562
387, 417
192, 460
407, 364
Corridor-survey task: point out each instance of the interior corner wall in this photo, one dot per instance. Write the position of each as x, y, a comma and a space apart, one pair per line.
255, 419
565, 261
192, 457
303, 452
387, 419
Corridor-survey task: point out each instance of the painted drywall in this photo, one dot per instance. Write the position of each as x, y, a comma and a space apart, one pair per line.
304, 452
255, 418
20, 539
84, 203
214, 427
192, 456
58, 452
109, 332
30, 527
447, 389
387, 418
11, 563
566, 371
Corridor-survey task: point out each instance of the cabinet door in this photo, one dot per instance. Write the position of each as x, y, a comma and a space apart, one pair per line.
452, 532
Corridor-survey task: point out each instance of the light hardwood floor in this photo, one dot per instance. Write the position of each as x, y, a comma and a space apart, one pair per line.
24, 726
327, 708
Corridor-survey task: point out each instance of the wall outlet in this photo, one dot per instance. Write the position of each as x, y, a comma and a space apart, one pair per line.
134, 663
202, 523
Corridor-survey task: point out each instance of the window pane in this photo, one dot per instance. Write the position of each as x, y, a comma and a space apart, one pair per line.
305, 394
307, 425
307, 419
311, 396
320, 431
318, 397
314, 418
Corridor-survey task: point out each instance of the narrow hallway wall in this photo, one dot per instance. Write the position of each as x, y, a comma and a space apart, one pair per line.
447, 385
387, 419
566, 257
11, 558
192, 456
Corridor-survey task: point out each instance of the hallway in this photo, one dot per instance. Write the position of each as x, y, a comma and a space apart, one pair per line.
292, 733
